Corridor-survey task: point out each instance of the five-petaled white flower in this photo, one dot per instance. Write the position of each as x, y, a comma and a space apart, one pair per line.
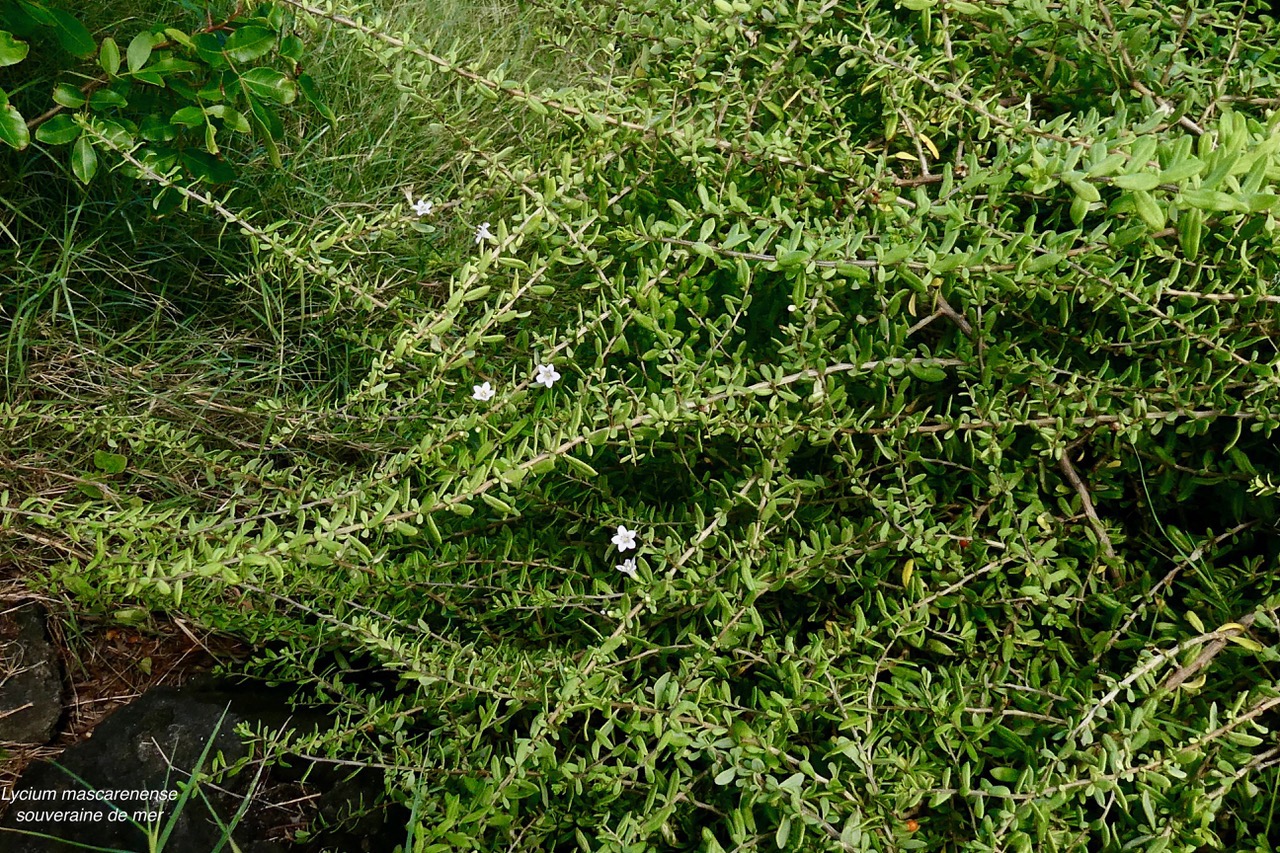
625, 539
422, 207
483, 393
547, 375
628, 567
483, 233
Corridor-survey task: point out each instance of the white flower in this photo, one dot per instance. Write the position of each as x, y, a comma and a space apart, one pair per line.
625, 539
422, 207
483, 393
628, 567
547, 375
483, 233
791, 307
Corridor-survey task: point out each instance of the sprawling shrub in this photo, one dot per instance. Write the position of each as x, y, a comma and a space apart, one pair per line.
928, 350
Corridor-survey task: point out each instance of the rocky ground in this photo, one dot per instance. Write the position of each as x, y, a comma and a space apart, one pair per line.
132, 710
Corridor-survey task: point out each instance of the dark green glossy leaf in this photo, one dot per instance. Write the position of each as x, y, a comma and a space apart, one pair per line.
169, 64
267, 116
156, 129
267, 84
249, 42
71, 34
106, 98
149, 76
13, 128
231, 119
209, 48
204, 167
68, 95
84, 160
291, 48
188, 117
257, 113
109, 56
12, 51
312, 93
58, 130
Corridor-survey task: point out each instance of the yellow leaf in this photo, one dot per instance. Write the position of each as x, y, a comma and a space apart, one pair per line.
1247, 642
928, 143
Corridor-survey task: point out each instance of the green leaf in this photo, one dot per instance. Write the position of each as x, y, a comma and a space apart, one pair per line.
205, 167
109, 56
232, 119
149, 76
84, 160
71, 34
1176, 172
270, 85
58, 130
1149, 210
1212, 200
249, 42
1137, 181
267, 117
312, 93
498, 504
1260, 202
109, 463
1190, 229
139, 50
13, 128
1106, 166
120, 135
91, 491
927, 372
793, 258
264, 133
581, 467
68, 96
156, 129
1085, 190
291, 47
1079, 208
209, 48
12, 51
188, 117
783, 834
106, 98
179, 37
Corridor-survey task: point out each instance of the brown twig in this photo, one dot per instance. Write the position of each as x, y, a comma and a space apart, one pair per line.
1086, 503
1206, 656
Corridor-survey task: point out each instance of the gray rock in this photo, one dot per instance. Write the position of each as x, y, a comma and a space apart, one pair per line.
30, 677
151, 745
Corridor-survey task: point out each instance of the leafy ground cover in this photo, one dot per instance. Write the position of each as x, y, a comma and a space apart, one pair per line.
723, 426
